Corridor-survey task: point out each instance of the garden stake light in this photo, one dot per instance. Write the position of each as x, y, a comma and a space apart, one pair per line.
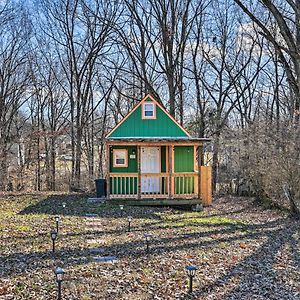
121, 208
191, 271
53, 238
57, 220
148, 237
59, 274
129, 222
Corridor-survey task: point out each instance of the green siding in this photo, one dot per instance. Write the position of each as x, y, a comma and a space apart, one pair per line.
184, 162
132, 163
183, 159
131, 183
135, 126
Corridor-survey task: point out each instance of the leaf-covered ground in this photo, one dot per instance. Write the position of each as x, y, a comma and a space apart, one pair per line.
242, 251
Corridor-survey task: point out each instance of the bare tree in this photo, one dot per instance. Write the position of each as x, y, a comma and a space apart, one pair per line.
14, 75
281, 28
81, 32
160, 31
285, 38
51, 107
226, 61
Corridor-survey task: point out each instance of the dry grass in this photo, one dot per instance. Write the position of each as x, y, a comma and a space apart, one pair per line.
242, 251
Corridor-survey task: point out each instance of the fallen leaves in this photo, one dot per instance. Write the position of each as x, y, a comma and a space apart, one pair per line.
243, 245
241, 253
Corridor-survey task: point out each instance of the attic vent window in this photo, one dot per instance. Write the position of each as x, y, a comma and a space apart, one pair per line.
149, 110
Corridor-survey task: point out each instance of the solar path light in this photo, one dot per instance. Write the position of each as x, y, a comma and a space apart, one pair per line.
59, 276
191, 271
53, 235
148, 237
122, 209
57, 221
129, 223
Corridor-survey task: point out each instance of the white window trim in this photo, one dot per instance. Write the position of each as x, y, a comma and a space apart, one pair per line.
143, 110
115, 165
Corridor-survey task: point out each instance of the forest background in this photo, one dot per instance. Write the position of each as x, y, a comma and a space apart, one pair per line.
229, 70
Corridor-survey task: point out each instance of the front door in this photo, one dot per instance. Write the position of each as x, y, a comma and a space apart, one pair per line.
150, 163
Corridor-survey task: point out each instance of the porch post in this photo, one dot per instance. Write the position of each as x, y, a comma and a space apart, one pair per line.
196, 185
171, 179
139, 173
107, 172
199, 172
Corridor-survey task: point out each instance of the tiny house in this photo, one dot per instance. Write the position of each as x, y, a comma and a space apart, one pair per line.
151, 159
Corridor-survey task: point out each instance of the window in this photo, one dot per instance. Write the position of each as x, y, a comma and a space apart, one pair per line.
149, 111
120, 158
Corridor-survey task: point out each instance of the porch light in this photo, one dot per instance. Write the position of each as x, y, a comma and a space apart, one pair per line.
64, 205
191, 272
53, 235
57, 221
129, 223
59, 274
148, 237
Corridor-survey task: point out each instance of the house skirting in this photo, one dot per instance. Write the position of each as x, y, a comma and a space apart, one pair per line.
158, 202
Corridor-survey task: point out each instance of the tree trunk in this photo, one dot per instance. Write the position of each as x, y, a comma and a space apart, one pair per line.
53, 165
38, 167
78, 152
3, 170
171, 95
215, 161
47, 164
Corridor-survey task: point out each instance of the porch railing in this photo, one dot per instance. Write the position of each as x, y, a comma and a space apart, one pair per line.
154, 185
185, 184
123, 185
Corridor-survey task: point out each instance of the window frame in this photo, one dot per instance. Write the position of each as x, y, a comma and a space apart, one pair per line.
115, 151
154, 110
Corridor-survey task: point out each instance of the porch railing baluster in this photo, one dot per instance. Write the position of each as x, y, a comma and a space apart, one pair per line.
153, 185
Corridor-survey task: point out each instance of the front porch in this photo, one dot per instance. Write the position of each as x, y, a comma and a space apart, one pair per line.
157, 173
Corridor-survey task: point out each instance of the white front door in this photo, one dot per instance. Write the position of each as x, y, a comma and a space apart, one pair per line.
150, 163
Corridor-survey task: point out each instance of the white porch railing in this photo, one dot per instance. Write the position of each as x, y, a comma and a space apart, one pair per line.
154, 185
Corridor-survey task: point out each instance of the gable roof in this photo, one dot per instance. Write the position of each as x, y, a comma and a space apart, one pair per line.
133, 126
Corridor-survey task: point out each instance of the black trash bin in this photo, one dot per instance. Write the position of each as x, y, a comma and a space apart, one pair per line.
100, 187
